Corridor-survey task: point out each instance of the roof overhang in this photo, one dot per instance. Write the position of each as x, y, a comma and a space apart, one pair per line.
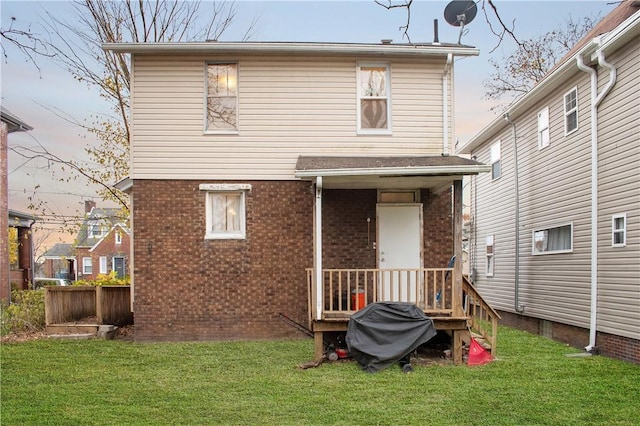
285, 48
21, 220
432, 172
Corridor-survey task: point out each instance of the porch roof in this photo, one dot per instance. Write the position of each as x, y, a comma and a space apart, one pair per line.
432, 172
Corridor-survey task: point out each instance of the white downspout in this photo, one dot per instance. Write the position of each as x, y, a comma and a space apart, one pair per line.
445, 105
317, 247
596, 99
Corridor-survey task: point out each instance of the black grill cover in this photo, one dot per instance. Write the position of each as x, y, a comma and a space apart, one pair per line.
382, 333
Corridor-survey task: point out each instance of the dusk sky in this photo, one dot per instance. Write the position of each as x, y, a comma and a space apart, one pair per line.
32, 95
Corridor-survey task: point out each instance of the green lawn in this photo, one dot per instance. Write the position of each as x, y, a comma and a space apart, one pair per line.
100, 382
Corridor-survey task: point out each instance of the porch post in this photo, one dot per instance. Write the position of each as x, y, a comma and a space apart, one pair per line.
317, 247
457, 248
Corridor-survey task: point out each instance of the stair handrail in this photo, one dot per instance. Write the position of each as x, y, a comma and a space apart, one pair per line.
478, 310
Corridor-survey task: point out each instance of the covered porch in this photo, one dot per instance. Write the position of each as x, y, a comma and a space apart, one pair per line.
390, 229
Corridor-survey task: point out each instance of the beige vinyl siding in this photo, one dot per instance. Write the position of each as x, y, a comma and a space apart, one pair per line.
619, 192
287, 106
554, 186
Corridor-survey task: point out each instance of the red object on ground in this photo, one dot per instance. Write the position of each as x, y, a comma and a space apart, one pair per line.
477, 354
357, 300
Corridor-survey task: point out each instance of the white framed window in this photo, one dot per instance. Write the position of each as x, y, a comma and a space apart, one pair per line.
222, 98
225, 210
489, 253
103, 264
496, 163
543, 128
87, 267
571, 111
553, 240
619, 230
374, 99
118, 237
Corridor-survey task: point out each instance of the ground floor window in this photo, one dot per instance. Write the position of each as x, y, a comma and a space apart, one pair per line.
225, 210
489, 252
87, 266
553, 240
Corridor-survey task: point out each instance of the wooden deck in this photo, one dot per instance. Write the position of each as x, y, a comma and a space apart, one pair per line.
453, 304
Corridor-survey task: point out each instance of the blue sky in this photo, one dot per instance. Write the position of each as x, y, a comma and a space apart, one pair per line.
31, 95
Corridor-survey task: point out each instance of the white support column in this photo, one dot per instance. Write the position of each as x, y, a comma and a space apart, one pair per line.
317, 247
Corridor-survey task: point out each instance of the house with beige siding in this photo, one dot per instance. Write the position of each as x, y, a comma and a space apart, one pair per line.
291, 183
555, 234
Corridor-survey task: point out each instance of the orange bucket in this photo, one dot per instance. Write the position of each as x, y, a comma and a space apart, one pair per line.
357, 299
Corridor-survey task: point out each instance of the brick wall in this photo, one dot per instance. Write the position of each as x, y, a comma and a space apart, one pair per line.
610, 345
188, 288
108, 248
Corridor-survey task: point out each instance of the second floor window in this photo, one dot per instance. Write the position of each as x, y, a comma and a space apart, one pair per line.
489, 252
374, 106
571, 111
496, 168
543, 128
118, 237
222, 98
619, 230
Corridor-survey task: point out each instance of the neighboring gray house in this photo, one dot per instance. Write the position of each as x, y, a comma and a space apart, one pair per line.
565, 186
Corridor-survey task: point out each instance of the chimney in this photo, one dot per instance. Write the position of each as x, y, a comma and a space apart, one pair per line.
89, 205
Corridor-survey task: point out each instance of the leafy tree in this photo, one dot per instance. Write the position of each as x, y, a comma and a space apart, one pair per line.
519, 71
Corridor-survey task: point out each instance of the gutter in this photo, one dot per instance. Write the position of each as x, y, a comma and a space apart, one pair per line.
596, 99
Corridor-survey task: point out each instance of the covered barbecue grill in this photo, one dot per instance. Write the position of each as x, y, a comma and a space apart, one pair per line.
384, 333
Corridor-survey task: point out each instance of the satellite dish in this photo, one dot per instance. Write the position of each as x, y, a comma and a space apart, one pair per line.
460, 13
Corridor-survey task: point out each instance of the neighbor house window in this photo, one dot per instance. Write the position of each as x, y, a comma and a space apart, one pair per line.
103, 264
496, 167
543, 128
222, 98
225, 210
571, 111
619, 230
118, 237
86, 266
489, 252
553, 240
374, 106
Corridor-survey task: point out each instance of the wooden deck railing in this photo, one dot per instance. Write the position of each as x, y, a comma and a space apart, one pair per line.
482, 318
344, 291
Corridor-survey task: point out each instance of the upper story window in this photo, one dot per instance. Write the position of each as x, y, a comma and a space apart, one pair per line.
553, 240
97, 231
571, 111
225, 211
222, 98
543, 128
496, 166
374, 99
619, 230
118, 237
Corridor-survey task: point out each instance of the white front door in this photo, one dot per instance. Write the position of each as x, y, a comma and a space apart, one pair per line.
399, 248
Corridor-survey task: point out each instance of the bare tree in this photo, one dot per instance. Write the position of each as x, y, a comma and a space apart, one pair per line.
25, 40
518, 72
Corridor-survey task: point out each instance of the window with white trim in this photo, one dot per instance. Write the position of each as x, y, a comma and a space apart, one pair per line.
553, 240
87, 266
619, 230
543, 128
374, 99
496, 163
222, 98
571, 111
103, 264
489, 252
225, 210
118, 237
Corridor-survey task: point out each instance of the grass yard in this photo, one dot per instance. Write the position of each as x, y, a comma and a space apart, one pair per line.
115, 382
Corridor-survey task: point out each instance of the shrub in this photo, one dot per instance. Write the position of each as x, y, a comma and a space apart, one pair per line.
25, 313
105, 279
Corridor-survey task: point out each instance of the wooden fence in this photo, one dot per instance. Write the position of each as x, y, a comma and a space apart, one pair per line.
108, 304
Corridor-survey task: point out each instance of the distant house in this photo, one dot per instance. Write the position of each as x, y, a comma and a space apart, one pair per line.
9, 123
103, 243
555, 238
22, 271
293, 180
60, 262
